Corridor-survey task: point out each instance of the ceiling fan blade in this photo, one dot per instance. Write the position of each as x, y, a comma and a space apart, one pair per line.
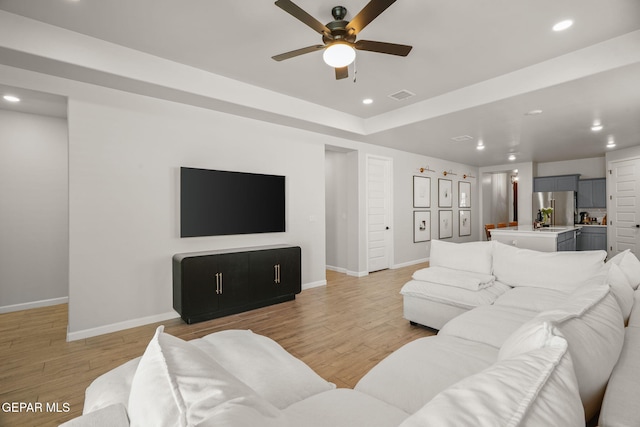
342, 73
382, 47
297, 52
368, 14
298, 13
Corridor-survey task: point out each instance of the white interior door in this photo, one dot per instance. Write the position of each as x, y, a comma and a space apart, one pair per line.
623, 208
378, 213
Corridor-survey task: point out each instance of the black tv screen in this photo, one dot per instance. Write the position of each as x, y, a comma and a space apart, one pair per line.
215, 203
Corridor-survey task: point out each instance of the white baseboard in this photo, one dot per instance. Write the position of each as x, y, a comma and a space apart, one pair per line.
314, 284
357, 273
114, 327
33, 304
347, 272
409, 263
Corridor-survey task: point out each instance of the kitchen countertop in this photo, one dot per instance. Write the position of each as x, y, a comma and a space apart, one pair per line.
543, 231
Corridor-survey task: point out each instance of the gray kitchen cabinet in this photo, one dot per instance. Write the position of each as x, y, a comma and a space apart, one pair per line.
592, 193
555, 183
567, 241
592, 238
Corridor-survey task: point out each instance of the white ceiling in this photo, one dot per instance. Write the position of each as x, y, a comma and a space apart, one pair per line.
476, 66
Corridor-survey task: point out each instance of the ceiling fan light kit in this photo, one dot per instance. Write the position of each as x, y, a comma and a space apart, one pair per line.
339, 54
339, 36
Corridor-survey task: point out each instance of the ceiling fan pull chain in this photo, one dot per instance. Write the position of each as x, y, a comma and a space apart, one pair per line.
355, 71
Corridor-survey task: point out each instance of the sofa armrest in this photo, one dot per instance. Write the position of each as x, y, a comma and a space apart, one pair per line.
110, 416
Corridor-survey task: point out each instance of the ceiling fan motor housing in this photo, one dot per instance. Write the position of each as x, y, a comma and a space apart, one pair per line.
338, 27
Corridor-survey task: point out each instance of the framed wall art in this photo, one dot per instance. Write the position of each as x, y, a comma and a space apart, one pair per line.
421, 226
445, 224
421, 192
444, 193
464, 194
464, 226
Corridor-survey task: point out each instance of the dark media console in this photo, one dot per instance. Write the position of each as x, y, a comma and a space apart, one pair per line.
208, 285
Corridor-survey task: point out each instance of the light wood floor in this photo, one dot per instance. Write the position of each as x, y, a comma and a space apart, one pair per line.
341, 331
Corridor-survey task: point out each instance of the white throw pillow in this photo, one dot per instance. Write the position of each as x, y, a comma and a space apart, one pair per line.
176, 384
591, 322
620, 288
262, 364
533, 388
472, 256
561, 271
630, 266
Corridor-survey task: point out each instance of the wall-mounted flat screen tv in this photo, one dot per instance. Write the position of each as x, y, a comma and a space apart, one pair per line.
215, 203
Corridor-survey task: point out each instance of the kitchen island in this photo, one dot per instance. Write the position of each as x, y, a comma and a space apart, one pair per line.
545, 239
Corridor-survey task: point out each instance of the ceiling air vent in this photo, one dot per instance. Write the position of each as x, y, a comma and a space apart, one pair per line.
402, 95
462, 138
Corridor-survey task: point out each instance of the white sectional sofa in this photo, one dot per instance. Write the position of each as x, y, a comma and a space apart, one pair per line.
538, 354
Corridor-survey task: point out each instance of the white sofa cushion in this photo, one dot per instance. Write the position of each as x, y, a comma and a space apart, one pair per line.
343, 408
111, 387
472, 256
458, 278
263, 365
243, 413
620, 405
176, 384
630, 266
534, 388
591, 322
634, 318
534, 299
620, 288
489, 324
561, 271
412, 375
109, 416
452, 295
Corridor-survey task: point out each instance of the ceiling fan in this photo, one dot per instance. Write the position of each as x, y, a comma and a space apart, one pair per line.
339, 36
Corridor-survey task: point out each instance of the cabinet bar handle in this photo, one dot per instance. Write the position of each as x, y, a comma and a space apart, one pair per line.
275, 274
278, 273
221, 283
217, 283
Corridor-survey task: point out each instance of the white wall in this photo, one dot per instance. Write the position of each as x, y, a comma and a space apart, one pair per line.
125, 152
337, 207
34, 258
587, 168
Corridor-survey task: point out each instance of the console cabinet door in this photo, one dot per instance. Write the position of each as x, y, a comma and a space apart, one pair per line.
233, 279
275, 272
199, 286
213, 283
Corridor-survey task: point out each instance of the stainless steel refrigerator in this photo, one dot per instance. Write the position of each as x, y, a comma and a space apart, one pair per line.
562, 202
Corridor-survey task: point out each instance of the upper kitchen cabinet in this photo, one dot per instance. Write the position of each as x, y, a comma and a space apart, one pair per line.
592, 193
555, 183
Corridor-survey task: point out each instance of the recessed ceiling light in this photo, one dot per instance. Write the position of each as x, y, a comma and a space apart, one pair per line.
11, 98
512, 157
367, 101
563, 25
480, 145
611, 142
597, 126
533, 112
